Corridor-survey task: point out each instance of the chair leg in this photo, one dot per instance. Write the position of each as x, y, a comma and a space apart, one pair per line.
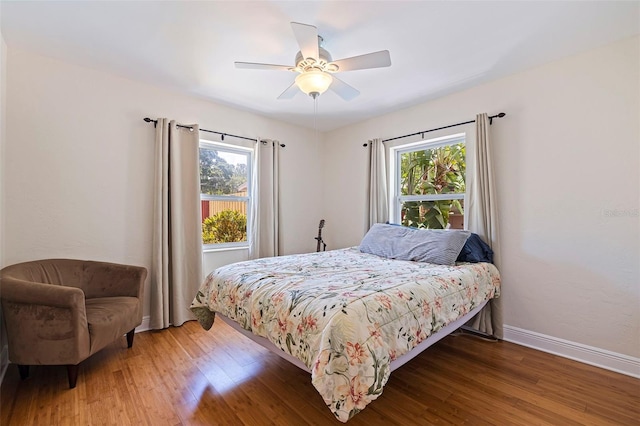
130, 337
72, 373
24, 371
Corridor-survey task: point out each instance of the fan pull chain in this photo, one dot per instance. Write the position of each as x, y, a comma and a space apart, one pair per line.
315, 116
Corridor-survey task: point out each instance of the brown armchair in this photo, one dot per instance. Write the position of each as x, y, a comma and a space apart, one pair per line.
61, 311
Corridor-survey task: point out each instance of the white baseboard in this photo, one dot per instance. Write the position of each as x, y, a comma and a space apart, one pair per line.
602, 358
146, 321
4, 362
145, 324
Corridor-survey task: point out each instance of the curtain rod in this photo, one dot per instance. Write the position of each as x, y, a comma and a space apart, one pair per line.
222, 135
500, 115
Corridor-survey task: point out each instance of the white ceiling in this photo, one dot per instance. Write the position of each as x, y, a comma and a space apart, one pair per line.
437, 47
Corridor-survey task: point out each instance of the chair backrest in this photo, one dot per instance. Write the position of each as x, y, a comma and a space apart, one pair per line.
94, 278
66, 272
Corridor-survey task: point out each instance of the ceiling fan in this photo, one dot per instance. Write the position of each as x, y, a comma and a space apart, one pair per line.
316, 68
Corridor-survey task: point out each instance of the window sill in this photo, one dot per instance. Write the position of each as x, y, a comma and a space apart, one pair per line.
221, 249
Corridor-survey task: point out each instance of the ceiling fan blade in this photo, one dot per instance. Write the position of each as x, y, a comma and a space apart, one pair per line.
307, 37
255, 66
342, 89
370, 60
290, 92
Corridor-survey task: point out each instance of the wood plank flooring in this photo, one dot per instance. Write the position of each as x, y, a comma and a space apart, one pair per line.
188, 376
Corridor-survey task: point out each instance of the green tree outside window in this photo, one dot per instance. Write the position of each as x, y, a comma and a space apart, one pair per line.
435, 171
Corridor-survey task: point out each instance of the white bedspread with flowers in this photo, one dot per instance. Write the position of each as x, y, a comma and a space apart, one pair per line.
343, 313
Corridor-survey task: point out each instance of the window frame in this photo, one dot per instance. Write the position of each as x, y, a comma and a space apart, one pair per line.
395, 164
240, 150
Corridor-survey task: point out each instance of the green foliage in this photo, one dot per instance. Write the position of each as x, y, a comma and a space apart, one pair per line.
432, 171
217, 177
227, 226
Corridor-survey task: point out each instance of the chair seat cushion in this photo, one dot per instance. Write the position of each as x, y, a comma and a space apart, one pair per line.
109, 318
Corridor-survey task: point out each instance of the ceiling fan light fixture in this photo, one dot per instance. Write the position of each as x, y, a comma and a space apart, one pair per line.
314, 82
316, 66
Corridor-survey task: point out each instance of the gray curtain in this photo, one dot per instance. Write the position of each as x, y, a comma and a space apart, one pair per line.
483, 220
254, 235
176, 267
268, 243
378, 207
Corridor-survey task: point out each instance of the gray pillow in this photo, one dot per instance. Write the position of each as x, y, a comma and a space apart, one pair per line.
440, 246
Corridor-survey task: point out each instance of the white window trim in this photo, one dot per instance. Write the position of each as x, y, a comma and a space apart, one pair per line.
250, 152
395, 200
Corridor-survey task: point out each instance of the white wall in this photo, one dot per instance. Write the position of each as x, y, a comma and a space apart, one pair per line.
78, 177
4, 358
3, 126
567, 160
79, 169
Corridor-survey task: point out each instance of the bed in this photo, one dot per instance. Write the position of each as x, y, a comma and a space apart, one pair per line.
347, 316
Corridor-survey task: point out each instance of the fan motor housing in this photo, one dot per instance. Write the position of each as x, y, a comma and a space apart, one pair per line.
323, 63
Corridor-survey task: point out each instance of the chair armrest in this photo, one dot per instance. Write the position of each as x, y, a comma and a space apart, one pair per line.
112, 280
32, 293
45, 323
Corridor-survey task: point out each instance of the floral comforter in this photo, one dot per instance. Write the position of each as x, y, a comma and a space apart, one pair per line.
343, 313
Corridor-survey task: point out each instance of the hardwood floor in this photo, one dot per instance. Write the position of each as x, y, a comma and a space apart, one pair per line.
188, 376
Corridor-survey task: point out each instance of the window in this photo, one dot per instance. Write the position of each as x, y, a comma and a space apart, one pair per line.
428, 183
225, 187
